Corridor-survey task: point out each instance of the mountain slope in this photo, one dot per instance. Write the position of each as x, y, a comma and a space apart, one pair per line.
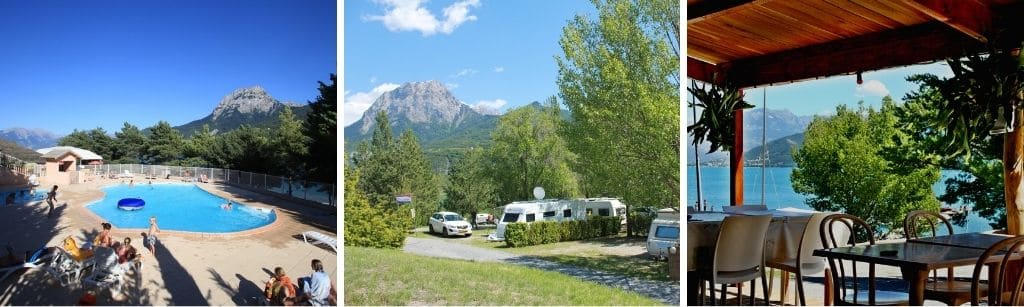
251, 106
31, 138
780, 151
435, 116
20, 152
780, 122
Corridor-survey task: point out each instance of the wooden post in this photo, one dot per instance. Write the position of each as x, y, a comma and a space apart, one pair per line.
1013, 172
736, 161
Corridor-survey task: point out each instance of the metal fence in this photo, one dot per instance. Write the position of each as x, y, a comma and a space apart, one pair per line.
323, 193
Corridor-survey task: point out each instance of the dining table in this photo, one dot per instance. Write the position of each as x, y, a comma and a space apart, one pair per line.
917, 257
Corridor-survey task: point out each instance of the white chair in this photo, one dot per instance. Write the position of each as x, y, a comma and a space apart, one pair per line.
34, 261
320, 238
805, 262
107, 273
738, 255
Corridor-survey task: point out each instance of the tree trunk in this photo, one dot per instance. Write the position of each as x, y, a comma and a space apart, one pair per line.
1013, 173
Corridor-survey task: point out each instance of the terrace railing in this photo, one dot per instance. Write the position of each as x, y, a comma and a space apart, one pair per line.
318, 192
12, 163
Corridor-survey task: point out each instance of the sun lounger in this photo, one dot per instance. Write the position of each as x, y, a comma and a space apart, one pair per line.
34, 261
107, 273
126, 174
68, 262
317, 237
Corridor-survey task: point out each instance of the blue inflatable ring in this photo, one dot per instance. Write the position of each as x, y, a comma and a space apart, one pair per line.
131, 204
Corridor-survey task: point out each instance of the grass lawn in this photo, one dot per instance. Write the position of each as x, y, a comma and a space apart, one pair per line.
391, 277
591, 253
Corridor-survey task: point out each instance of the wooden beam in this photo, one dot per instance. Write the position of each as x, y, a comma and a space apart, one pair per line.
700, 70
970, 17
899, 47
736, 161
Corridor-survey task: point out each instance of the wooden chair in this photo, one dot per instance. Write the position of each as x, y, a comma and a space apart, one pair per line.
997, 257
947, 289
839, 230
738, 256
805, 262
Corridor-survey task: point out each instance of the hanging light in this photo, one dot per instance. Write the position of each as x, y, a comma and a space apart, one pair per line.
860, 79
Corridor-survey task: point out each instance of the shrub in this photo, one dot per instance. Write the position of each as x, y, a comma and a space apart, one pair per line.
544, 232
367, 225
640, 224
515, 235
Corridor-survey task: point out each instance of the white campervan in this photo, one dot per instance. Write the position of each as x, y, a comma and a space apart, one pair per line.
556, 210
664, 233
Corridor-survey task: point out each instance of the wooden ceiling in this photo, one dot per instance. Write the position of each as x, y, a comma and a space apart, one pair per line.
752, 43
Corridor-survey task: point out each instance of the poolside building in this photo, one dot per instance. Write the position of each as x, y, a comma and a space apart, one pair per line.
61, 163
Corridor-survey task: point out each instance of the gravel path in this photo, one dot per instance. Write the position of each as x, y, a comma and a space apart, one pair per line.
665, 292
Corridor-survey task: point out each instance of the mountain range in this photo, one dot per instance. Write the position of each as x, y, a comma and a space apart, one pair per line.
436, 117
30, 138
250, 105
782, 124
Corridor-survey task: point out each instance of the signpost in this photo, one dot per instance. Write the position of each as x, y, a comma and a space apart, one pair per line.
406, 199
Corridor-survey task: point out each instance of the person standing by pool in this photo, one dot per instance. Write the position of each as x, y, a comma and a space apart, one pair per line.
104, 239
50, 199
151, 236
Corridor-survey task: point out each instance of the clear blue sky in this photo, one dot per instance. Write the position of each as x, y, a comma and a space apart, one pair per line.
86, 64
490, 52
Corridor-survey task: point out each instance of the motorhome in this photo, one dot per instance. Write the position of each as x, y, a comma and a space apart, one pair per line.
664, 233
556, 210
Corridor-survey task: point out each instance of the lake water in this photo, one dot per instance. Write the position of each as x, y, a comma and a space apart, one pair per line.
779, 192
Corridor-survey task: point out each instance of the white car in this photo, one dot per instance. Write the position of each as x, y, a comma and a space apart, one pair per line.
449, 224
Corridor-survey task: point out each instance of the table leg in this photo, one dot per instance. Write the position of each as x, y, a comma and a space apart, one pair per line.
692, 289
916, 279
783, 287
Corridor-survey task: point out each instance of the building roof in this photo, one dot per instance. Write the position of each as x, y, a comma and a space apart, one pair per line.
60, 151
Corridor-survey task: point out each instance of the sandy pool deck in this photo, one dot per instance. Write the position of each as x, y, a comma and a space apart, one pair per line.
188, 269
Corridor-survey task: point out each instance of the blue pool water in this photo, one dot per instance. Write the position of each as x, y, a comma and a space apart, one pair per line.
182, 207
24, 196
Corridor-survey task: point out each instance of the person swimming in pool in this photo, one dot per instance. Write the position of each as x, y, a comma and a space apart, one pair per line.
131, 184
227, 206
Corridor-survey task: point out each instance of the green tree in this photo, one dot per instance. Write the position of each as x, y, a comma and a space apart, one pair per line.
131, 144
200, 147
619, 77
528, 152
470, 187
321, 128
77, 138
368, 225
245, 148
842, 167
289, 146
416, 177
165, 144
981, 183
378, 163
103, 144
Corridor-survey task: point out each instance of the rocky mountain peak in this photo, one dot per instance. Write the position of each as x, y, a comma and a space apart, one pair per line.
246, 101
418, 102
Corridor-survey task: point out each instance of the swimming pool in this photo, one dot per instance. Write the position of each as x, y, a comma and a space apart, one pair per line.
182, 207
24, 196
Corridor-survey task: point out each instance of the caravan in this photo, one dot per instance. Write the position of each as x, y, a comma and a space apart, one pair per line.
556, 210
664, 233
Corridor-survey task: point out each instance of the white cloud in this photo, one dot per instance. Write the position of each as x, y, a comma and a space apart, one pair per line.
492, 107
873, 88
410, 15
464, 72
499, 69
452, 86
373, 79
355, 104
